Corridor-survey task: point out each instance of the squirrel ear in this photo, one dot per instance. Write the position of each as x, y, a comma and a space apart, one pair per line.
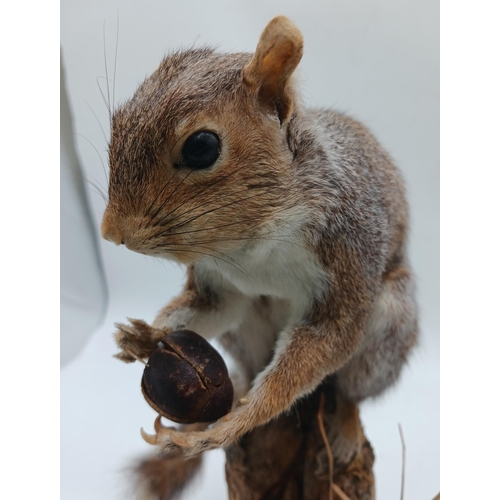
278, 53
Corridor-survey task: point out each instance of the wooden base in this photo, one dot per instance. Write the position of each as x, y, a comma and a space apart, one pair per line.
285, 459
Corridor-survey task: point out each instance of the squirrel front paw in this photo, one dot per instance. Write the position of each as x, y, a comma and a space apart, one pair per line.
137, 341
191, 443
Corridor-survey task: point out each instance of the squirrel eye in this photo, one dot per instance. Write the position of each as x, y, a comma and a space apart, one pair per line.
200, 150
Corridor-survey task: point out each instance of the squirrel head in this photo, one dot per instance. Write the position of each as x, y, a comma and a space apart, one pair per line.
198, 157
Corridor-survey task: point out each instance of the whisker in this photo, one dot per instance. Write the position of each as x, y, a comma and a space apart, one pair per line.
251, 238
159, 261
203, 188
157, 211
99, 122
98, 154
92, 182
206, 202
103, 97
97, 190
183, 223
171, 250
234, 202
222, 226
174, 190
160, 192
245, 221
236, 263
106, 68
116, 55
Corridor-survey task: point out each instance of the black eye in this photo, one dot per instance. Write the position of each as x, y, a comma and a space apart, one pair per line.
200, 150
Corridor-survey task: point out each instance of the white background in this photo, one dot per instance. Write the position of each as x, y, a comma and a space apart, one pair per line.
378, 61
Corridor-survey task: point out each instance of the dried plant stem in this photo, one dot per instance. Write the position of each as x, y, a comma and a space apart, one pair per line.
327, 444
334, 489
339, 492
404, 461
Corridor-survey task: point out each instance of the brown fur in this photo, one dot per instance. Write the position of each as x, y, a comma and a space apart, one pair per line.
295, 239
165, 477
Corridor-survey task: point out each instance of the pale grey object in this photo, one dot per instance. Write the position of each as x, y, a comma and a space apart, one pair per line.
83, 289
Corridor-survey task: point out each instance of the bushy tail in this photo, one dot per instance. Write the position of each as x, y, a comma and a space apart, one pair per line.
164, 477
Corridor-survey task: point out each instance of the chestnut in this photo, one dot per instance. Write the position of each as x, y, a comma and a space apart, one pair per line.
186, 380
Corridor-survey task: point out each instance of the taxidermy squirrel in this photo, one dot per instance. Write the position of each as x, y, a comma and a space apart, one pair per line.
292, 223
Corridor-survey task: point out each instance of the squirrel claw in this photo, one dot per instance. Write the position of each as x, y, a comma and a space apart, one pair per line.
163, 435
149, 438
170, 439
158, 425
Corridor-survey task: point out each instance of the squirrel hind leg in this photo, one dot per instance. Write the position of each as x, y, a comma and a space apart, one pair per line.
391, 335
346, 432
343, 428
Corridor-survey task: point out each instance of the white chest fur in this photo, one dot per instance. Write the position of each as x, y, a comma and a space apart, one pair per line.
281, 269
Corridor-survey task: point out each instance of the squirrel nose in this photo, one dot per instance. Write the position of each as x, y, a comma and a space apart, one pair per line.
110, 230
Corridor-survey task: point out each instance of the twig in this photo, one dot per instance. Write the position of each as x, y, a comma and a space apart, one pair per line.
404, 461
334, 489
339, 492
327, 444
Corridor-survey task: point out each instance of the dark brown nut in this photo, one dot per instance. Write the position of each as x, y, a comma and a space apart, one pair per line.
186, 380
